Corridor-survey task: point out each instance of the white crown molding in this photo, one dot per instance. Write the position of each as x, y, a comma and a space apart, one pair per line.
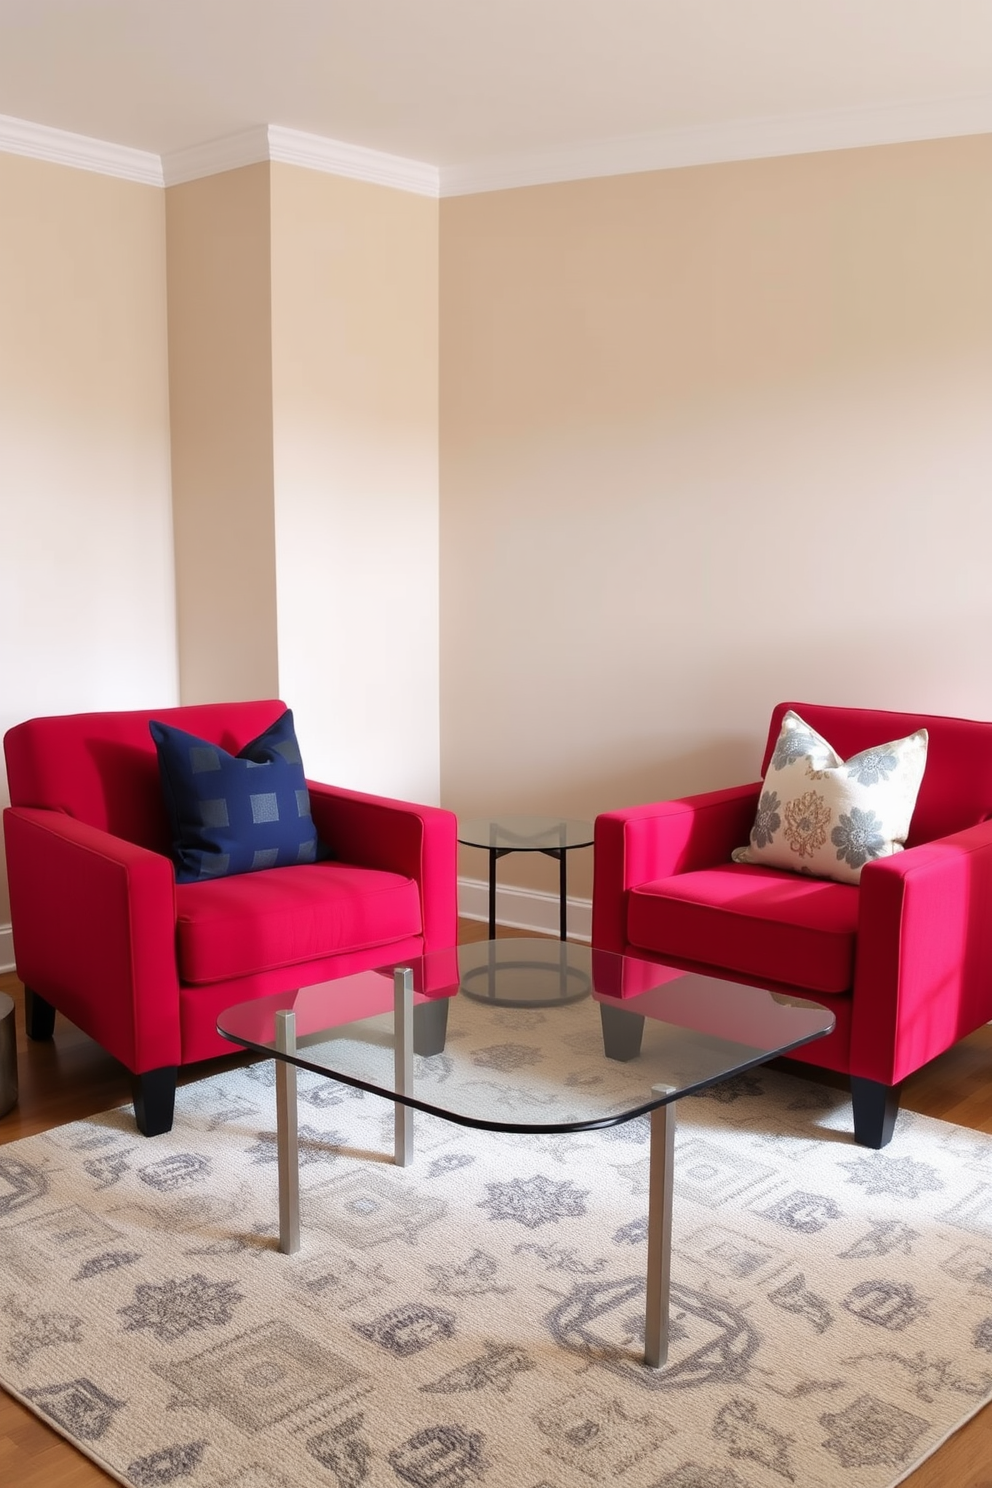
19, 137
743, 139
704, 144
251, 147
215, 156
314, 152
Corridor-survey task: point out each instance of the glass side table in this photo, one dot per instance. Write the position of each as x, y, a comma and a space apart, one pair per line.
554, 837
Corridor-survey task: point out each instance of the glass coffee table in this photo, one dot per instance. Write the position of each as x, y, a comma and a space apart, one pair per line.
640, 1037
553, 836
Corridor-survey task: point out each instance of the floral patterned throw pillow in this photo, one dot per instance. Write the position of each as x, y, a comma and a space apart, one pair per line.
828, 817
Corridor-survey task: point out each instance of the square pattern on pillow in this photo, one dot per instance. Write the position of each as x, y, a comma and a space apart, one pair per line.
828, 817
235, 813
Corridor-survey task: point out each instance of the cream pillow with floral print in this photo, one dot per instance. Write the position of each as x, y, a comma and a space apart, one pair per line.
828, 817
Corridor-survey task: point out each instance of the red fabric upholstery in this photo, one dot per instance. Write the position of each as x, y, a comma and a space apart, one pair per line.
956, 791
904, 960
102, 768
756, 921
374, 832
102, 932
255, 922
923, 977
94, 922
200, 1007
632, 978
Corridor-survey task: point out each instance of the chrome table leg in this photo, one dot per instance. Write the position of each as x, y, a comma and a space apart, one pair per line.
287, 1139
403, 1044
659, 1232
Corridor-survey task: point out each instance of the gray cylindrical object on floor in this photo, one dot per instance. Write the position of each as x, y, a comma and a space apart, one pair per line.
8, 1055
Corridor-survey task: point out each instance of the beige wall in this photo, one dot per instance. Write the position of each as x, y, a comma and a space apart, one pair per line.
709, 438
355, 418
303, 329
87, 616
220, 382
293, 319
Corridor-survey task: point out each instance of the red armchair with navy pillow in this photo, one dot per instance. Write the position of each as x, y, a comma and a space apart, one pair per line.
105, 934
903, 958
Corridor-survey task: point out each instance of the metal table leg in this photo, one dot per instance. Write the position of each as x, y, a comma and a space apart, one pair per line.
287, 1140
403, 1055
494, 856
659, 1232
495, 853
561, 854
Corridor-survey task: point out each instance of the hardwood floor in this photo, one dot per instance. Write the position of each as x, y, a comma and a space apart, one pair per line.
71, 1078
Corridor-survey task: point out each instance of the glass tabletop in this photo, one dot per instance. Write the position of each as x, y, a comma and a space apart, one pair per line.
524, 1035
525, 833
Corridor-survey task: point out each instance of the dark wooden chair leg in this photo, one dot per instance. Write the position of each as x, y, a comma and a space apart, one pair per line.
430, 1026
622, 1032
39, 1016
875, 1109
154, 1095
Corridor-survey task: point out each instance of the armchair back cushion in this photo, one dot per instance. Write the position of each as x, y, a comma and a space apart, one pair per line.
102, 768
956, 791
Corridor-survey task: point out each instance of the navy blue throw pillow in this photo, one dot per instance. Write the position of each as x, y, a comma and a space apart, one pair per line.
235, 813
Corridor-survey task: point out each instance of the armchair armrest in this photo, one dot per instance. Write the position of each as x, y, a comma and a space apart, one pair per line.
923, 974
401, 837
643, 843
107, 960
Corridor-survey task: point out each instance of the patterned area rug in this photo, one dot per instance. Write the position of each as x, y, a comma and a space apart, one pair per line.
476, 1319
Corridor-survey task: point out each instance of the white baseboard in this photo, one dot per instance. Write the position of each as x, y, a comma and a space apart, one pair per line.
524, 909
6, 948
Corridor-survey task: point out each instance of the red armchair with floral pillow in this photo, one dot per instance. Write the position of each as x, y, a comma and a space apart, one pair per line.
903, 959
104, 934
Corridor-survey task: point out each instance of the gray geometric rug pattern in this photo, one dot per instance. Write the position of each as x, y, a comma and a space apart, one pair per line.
475, 1320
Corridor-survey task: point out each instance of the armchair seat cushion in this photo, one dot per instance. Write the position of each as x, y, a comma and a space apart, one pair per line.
257, 922
759, 922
